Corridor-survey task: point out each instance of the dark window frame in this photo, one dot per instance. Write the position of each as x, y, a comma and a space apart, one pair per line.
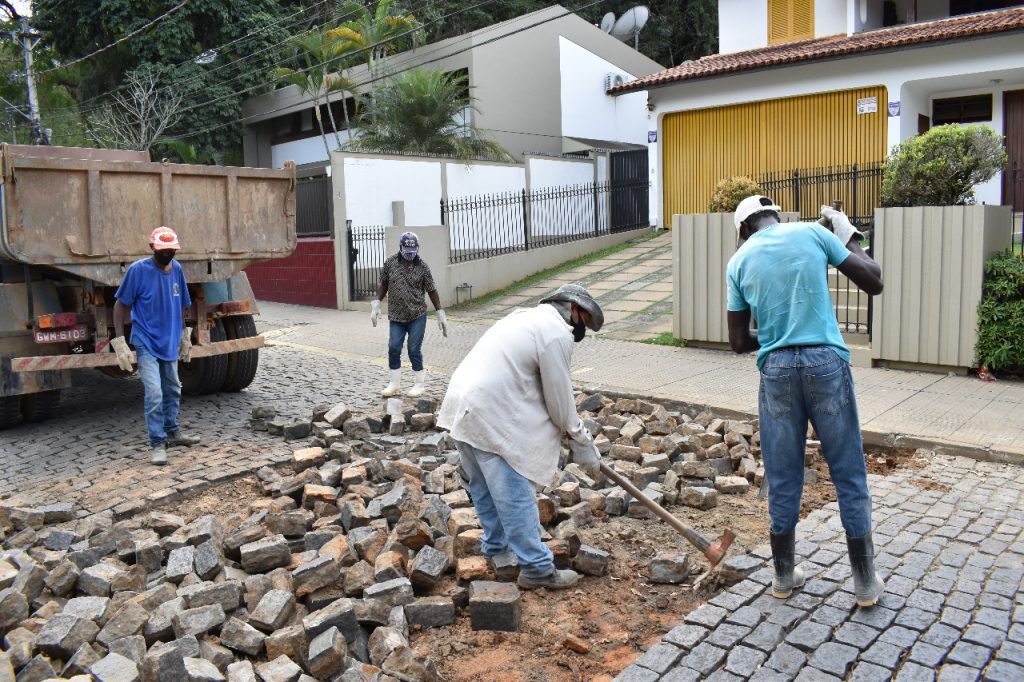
966, 109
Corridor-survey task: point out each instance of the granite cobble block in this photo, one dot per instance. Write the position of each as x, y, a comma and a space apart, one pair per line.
834, 658
857, 635
706, 615
743, 661
660, 657
913, 672
686, 636
704, 658
431, 612
968, 654
636, 673
681, 674
746, 615
1003, 671
765, 637
809, 635
868, 672
927, 654
786, 616
494, 606
915, 619
727, 635
786, 659
883, 654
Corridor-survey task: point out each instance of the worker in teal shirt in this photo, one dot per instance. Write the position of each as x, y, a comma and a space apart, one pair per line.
779, 277
154, 292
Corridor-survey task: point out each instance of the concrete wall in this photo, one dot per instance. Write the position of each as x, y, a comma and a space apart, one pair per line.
490, 274
914, 79
742, 25
307, 277
933, 260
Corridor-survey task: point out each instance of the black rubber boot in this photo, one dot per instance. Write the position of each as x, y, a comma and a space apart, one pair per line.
787, 576
867, 583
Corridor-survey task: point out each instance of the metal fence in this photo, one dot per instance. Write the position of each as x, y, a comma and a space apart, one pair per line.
1014, 196
367, 253
805, 190
486, 225
314, 210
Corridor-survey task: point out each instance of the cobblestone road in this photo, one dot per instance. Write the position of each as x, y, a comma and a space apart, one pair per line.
97, 453
950, 540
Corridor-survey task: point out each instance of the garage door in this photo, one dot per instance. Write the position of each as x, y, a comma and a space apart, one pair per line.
828, 129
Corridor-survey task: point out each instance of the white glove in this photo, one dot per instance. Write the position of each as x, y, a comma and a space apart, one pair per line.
124, 354
586, 456
841, 225
374, 311
442, 322
185, 345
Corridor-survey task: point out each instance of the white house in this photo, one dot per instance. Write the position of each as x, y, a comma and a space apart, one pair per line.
809, 83
540, 81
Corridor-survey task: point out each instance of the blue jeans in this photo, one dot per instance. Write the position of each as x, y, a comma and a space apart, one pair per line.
396, 338
507, 507
163, 394
811, 382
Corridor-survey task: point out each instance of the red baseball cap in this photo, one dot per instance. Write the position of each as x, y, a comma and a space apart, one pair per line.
164, 238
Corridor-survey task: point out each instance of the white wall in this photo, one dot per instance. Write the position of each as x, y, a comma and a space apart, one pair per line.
371, 184
587, 111
555, 172
829, 17
310, 150
466, 179
924, 70
742, 25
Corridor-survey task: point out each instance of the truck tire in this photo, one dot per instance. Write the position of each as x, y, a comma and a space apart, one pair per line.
205, 375
37, 407
242, 364
10, 410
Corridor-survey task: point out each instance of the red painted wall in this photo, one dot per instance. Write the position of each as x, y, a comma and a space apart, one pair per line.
304, 278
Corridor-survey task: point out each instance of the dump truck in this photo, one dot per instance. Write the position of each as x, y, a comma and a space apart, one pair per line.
74, 219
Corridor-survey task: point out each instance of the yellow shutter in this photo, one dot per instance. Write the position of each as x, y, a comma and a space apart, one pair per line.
703, 146
790, 20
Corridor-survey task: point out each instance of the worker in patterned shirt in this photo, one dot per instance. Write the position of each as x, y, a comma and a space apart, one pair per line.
404, 279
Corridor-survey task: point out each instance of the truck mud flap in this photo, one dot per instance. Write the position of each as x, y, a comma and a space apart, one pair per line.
44, 363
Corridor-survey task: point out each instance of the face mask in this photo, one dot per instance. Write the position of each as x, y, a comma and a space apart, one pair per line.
579, 330
409, 256
163, 260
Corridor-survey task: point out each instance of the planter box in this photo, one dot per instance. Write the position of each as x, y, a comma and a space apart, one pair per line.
933, 263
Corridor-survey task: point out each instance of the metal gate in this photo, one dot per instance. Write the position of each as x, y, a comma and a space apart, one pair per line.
314, 210
367, 253
630, 190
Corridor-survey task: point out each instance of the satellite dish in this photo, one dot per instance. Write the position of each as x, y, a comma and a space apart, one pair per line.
629, 24
607, 22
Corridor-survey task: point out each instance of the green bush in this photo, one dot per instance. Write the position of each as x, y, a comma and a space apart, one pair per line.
1001, 315
941, 167
729, 192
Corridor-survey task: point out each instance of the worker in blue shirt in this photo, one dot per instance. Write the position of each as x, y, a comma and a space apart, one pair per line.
779, 276
154, 292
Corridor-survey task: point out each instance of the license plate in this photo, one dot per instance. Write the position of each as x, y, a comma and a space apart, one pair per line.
77, 333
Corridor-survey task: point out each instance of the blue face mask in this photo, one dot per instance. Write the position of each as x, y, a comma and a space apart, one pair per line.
408, 255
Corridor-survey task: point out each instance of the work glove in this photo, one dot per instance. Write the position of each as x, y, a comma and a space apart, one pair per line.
124, 354
442, 322
374, 311
841, 225
185, 345
586, 457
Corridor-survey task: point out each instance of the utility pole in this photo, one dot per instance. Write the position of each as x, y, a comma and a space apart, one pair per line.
28, 39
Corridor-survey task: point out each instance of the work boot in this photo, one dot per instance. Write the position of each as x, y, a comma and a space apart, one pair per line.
787, 576
179, 438
559, 579
395, 386
867, 583
158, 454
417, 388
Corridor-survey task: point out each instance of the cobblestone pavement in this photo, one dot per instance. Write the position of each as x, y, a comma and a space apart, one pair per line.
950, 544
97, 452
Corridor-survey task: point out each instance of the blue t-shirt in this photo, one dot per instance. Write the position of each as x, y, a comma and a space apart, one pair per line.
780, 275
156, 299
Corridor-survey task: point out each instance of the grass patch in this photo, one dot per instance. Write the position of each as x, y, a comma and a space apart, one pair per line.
537, 277
665, 339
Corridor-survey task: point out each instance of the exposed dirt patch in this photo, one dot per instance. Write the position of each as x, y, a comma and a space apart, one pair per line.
223, 501
927, 484
884, 461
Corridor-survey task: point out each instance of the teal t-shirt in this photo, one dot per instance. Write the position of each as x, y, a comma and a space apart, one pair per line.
780, 275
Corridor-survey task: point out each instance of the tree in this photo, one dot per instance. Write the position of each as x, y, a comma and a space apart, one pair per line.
139, 116
423, 111
377, 34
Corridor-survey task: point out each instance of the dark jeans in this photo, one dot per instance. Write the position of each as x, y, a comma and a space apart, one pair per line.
811, 382
415, 329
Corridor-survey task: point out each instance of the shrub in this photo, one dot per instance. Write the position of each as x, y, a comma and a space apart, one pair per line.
1001, 314
941, 167
729, 192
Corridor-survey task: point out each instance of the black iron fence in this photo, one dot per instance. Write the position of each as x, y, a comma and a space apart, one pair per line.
367, 252
486, 225
805, 190
314, 209
1014, 196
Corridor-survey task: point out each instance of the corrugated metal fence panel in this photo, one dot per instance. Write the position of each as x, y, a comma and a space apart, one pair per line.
703, 146
933, 264
702, 246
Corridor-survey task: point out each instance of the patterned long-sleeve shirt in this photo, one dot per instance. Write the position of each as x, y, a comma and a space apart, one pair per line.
407, 283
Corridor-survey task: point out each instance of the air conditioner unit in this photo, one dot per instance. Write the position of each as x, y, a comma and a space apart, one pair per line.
613, 80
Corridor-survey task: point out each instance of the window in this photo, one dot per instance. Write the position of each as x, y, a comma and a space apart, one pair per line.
970, 6
790, 20
972, 109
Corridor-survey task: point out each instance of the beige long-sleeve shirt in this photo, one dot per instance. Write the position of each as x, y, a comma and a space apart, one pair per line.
512, 394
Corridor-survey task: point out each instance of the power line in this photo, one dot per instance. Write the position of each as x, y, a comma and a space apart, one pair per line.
417, 64
119, 40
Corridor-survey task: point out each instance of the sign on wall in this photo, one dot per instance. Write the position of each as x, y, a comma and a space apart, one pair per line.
894, 109
652, 135
867, 105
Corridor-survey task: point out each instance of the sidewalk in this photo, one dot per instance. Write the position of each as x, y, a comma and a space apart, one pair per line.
958, 415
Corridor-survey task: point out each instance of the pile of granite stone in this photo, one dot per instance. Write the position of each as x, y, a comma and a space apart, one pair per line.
370, 536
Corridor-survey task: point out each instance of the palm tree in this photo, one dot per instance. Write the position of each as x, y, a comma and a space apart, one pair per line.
422, 111
379, 33
318, 52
